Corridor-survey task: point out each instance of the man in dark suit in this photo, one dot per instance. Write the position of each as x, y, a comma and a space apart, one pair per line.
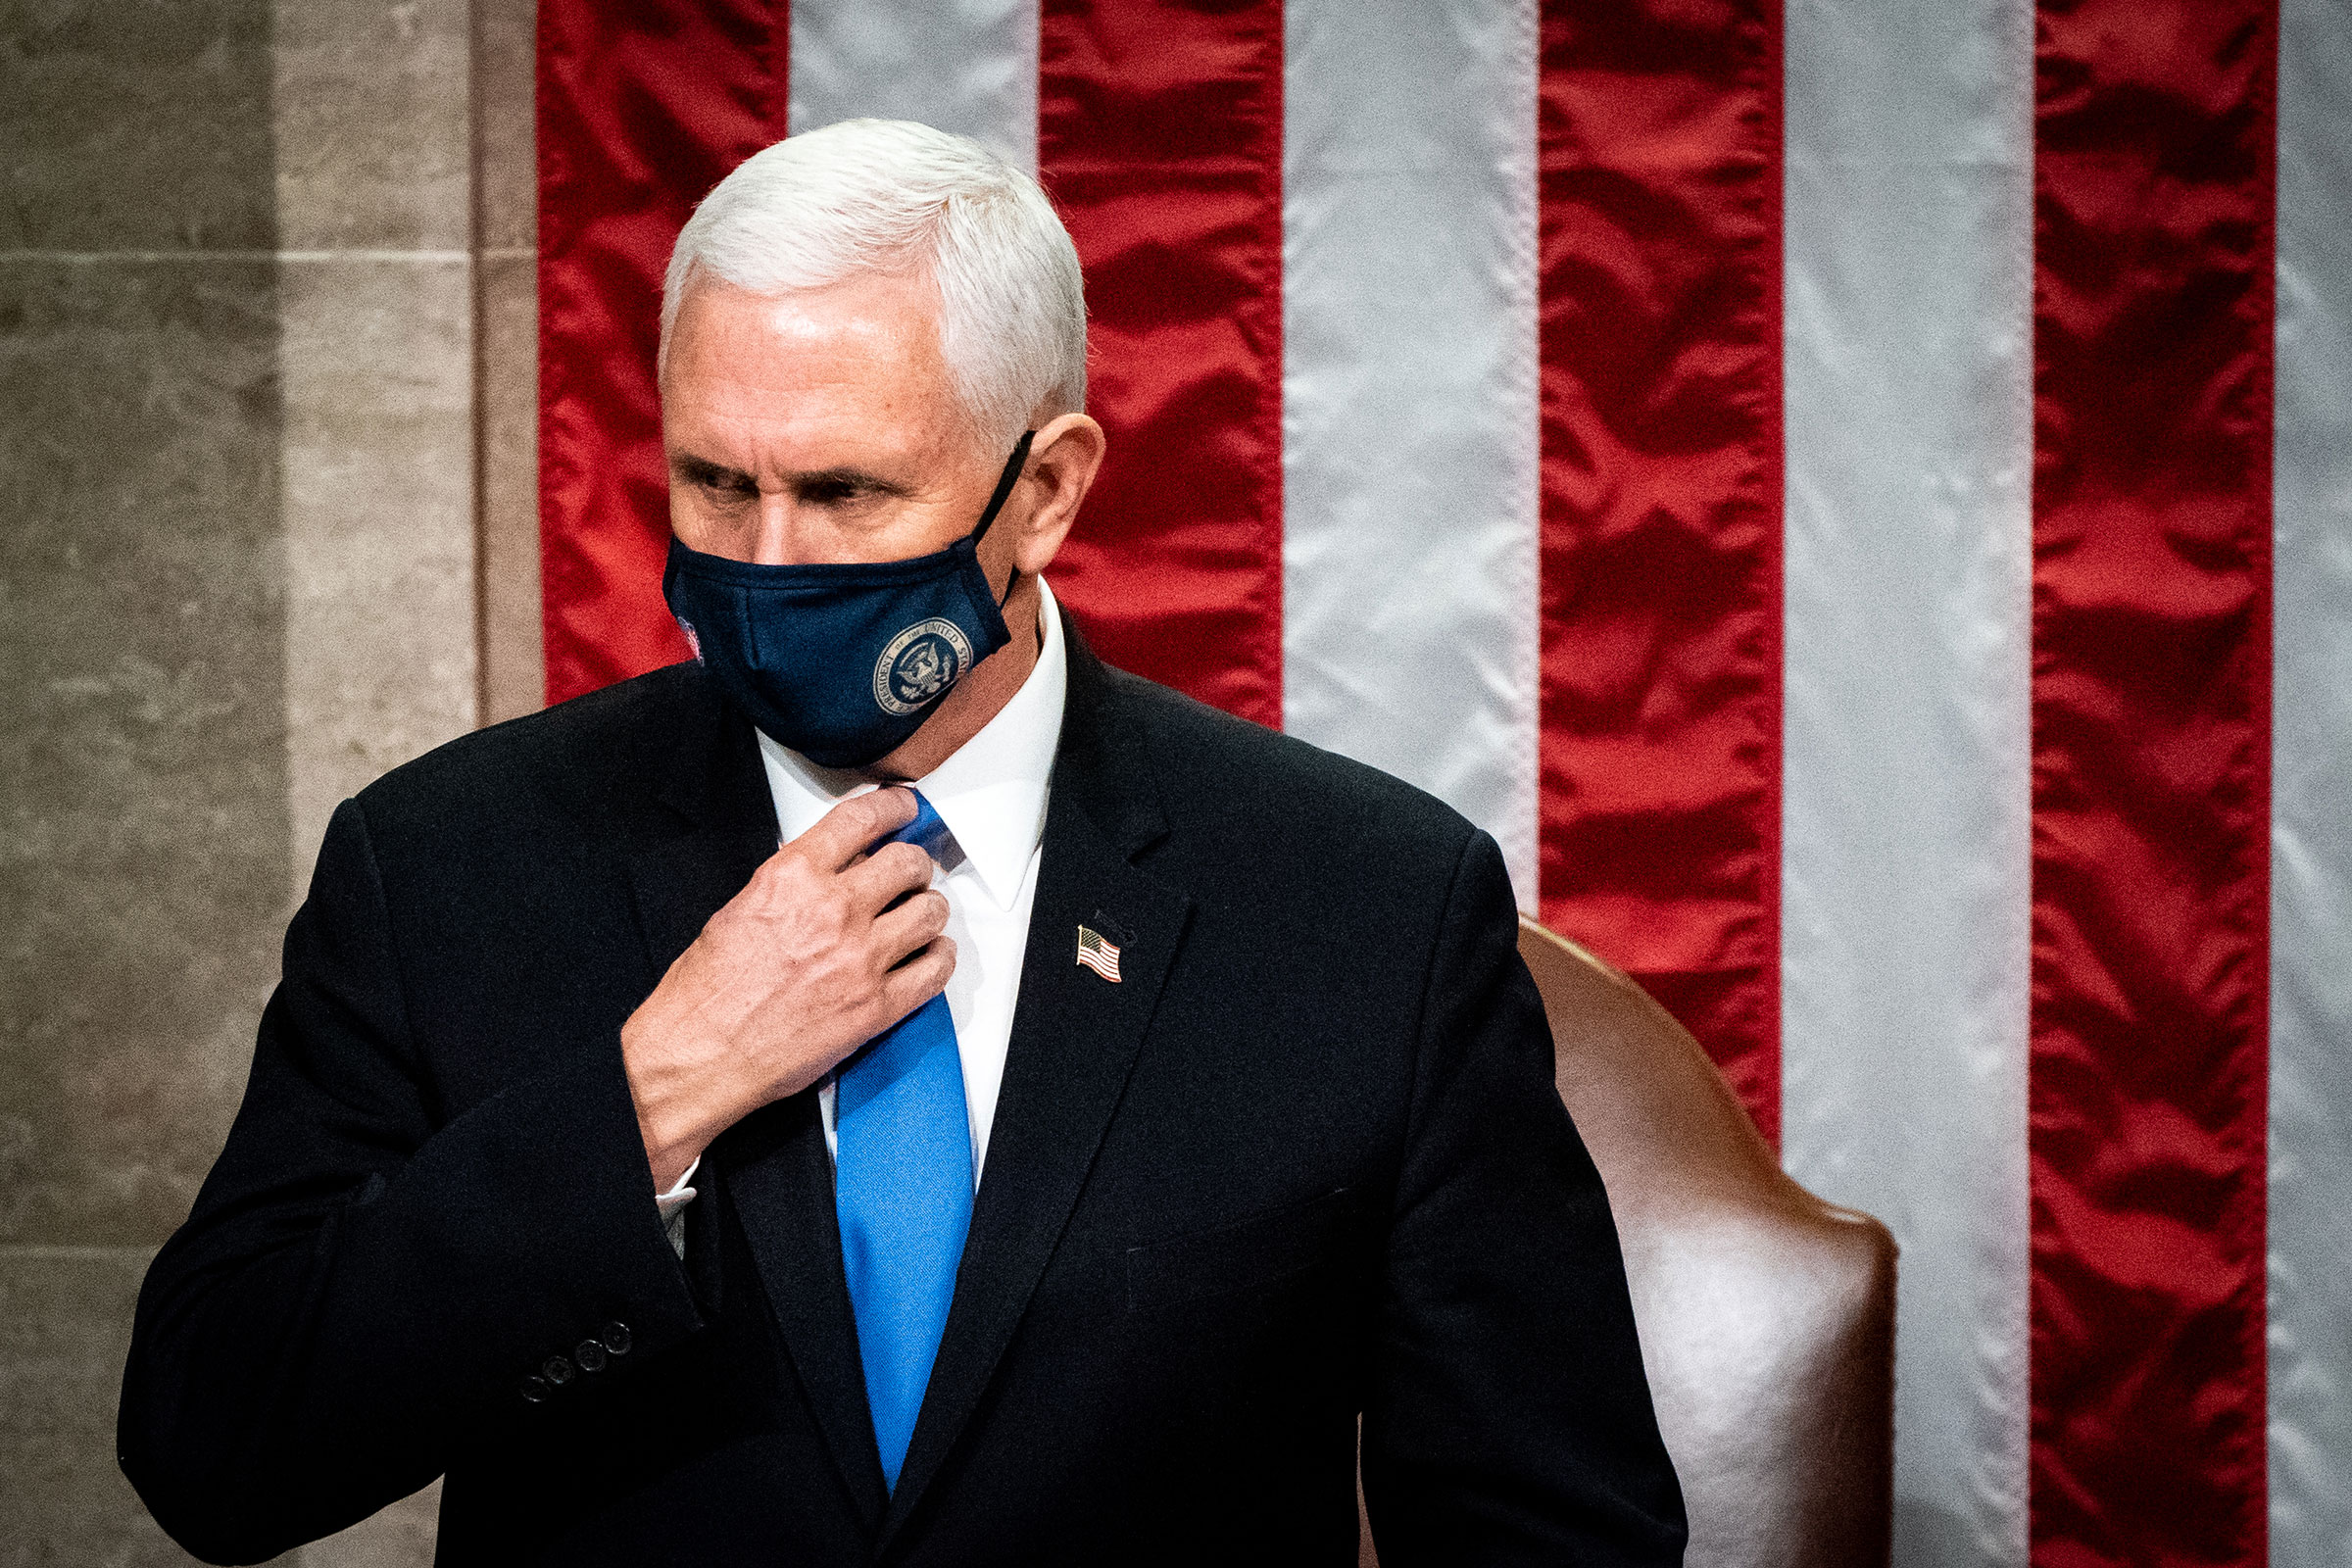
703, 1151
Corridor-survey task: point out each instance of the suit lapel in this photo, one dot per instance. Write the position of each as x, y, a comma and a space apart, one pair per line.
779, 1177
712, 780
772, 1167
1075, 1036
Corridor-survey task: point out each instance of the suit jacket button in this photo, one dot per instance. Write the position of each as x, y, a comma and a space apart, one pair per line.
557, 1370
590, 1354
617, 1338
534, 1390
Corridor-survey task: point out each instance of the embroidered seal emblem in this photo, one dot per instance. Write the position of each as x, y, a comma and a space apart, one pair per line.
920, 663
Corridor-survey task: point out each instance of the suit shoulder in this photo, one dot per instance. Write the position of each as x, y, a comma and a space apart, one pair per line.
576, 746
1251, 779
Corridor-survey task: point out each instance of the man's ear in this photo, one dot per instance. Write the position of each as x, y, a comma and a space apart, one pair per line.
1063, 461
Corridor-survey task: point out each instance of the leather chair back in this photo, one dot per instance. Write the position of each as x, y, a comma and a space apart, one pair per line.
1767, 1315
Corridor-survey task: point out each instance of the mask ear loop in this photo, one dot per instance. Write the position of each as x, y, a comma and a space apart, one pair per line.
995, 503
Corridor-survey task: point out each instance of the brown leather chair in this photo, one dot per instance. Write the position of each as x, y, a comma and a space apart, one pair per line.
1767, 1316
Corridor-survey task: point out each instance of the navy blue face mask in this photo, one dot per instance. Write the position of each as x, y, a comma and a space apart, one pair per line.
843, 661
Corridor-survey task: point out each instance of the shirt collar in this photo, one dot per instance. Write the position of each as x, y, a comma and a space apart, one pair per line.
990, 791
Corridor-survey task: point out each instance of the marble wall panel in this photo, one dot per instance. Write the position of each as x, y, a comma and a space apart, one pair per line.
377, 361
514, 645
143, 818
400, 1537
505, 180
505, 97
143, 865
375, 180
136, 125
373, 133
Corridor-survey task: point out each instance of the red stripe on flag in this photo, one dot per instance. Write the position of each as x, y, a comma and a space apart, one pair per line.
2155, 140
1660, 135
642, 108
1160, 141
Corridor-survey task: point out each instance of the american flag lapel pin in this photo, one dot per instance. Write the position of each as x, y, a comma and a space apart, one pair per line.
1098, 953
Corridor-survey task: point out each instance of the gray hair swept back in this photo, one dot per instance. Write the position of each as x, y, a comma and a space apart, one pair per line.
897, 197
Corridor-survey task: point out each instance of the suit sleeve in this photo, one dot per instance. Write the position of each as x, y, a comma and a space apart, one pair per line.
364, 1285
1508, 1419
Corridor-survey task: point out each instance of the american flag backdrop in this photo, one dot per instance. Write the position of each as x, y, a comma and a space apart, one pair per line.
1854, 495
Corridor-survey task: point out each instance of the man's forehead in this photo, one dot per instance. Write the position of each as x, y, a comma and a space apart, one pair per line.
850, 374
874, 341
880, 313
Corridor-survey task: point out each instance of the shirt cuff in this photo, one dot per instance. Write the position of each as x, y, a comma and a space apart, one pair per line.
672, 1205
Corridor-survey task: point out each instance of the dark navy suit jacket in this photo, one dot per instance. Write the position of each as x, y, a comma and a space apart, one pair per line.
1302, 1162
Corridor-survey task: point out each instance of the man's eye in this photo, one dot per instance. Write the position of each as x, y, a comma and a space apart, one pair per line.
831, 492
725, 486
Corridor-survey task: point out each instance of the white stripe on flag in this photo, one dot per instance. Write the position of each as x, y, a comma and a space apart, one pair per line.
967, 66
2311, 801
1409, 384
1906, 808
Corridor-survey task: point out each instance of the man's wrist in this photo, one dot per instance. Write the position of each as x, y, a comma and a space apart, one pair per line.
671, 1163
679, 1194
669, 1153
673, 1135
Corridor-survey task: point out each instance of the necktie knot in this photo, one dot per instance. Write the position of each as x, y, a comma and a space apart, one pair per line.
928, 831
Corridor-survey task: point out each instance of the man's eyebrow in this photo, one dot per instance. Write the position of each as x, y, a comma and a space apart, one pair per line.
839, 479
703, 470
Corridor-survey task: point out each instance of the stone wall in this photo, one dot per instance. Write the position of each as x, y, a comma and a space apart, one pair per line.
267, 527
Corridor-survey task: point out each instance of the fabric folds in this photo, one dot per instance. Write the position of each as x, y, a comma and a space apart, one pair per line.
1161, 143
2151, 779
1658, 134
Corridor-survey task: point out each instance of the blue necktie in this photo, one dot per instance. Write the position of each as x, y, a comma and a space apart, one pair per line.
902, 1188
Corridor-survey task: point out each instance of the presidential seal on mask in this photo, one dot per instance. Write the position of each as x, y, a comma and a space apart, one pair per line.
919, 665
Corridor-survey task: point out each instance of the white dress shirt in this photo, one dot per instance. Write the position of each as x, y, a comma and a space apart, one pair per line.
991, 793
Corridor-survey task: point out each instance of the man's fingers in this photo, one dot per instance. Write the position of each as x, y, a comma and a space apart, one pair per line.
849, 829
901, 931
890, 873
920, 978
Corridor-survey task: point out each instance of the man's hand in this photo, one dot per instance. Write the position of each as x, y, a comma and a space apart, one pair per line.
801, 969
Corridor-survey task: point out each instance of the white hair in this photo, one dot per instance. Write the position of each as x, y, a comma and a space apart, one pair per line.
896, 197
